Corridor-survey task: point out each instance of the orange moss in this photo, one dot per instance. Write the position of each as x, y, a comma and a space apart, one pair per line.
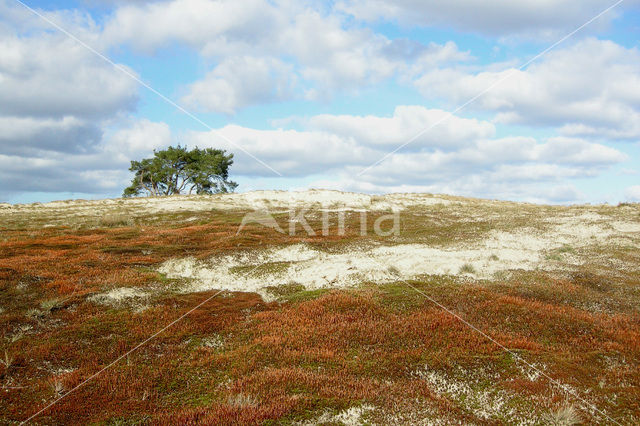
286, 360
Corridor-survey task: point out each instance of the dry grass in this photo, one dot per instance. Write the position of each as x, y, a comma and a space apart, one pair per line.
566, 415
113, 220
467, 268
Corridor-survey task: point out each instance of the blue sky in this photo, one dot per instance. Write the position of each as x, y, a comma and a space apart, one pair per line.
322, 91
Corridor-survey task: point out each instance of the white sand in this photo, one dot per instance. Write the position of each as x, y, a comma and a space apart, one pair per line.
352, 416
277, 200
521, 249
118, 296
524, 249
472, 393
316, 269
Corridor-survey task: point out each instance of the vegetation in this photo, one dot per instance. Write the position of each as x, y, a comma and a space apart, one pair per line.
175, 170
309, 355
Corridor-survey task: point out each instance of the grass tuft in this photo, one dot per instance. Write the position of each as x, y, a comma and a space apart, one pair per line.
7, 360
467, 268
564, 416
116, 220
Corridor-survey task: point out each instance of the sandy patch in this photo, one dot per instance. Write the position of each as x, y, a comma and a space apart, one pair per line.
626, 227
352, 416
483, 401
314, 269
277, 200
215, 342
119, 296
524, 249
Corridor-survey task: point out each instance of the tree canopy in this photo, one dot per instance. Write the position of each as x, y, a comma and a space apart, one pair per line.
176, 170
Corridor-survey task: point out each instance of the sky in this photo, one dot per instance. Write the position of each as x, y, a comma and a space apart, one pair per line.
527, 100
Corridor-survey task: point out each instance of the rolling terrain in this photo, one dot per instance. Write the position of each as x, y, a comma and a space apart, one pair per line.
179, 310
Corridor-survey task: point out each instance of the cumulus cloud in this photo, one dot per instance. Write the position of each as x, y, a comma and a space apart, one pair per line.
632, 193
269, 51
210, 26
591, 89
58, 173
66, 116
30, 136
241, 81
464, 157
291, 152
508, 159
447, 132
102, 170
53, 76
136, 139
60, 110
486, 185
531, 18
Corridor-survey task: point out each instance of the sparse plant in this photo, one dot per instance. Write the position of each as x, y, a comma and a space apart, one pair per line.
14, 338
467, 268
34, 313
494, 257
566, 249
393, 270
301, 350
555, 256
7, 360
242, 401
500, 275
57, 386
49, 305
564, 416
113, 220
215, 342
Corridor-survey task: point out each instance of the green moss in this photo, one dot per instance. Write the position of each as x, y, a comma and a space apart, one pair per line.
295, 293
269, 268
554, 256
566, 249
400, 297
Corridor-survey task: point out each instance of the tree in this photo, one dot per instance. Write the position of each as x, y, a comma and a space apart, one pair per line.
176, 170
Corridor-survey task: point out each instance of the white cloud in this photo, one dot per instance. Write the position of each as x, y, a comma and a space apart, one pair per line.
241, 81
104, 169
52, 76
290, 152
565, 150
333, 57
39, 136
632, 193
137, 139
65, 120
531, 18
287, 46
210, 26
465, 158
482, 185
446, 132
590, 89
57, 102
57, 99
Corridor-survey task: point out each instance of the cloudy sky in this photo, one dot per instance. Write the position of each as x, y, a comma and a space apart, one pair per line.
373, 96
